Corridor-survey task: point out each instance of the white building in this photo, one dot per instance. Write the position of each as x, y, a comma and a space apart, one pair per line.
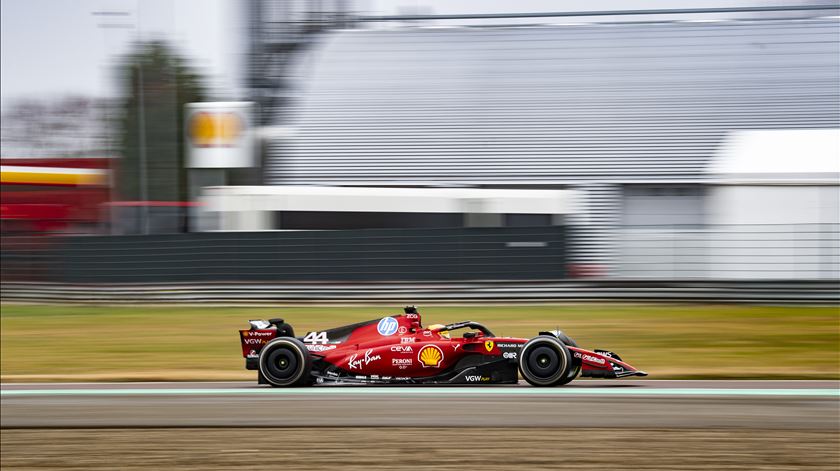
626, 118
787, 185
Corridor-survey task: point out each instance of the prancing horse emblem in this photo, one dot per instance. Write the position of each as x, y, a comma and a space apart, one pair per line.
488, 344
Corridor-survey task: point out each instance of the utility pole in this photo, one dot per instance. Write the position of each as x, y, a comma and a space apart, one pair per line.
141, 135
141, 124
141, 113
110, 117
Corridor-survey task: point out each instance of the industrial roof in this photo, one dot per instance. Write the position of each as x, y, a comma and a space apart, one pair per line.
554, 104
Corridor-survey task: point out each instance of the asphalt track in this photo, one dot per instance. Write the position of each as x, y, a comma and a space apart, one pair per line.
622, 403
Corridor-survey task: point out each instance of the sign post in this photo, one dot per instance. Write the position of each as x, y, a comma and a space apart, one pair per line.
219, 136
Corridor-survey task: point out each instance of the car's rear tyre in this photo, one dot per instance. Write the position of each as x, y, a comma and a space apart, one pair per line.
546, 361
285, 362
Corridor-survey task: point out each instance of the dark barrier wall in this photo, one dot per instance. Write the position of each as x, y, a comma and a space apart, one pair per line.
514, 253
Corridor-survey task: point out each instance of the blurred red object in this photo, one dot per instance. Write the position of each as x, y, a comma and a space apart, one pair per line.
583, 270
53, 195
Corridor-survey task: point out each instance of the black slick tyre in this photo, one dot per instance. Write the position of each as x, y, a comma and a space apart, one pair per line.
546, 361
285, 362
574, 371
572, 374
566, 340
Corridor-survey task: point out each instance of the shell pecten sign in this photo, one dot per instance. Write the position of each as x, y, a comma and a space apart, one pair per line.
218, 135
220, 129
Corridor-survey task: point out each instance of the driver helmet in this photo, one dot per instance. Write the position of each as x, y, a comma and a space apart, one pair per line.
443, 334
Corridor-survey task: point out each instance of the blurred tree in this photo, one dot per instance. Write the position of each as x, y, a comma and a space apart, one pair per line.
155, 85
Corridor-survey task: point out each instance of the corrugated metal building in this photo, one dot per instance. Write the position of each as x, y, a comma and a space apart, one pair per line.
629, 114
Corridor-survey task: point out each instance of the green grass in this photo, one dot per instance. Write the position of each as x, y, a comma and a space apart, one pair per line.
667, 341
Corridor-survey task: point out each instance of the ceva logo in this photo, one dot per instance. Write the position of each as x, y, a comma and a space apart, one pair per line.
387, 326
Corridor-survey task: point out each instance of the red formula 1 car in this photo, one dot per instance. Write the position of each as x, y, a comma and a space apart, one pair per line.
398, 349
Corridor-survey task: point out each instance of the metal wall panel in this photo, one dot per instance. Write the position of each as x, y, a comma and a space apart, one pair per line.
424, 293
549, 103
325, 256
587, 105
721, 252
648, 205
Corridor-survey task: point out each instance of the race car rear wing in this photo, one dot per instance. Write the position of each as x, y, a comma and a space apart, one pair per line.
260, 333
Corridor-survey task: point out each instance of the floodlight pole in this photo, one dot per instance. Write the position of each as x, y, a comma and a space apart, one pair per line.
141, 124
141, 134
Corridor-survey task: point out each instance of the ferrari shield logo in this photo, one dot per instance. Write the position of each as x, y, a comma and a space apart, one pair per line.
488, 344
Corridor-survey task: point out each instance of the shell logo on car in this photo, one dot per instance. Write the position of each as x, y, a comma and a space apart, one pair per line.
215, 128
430, 356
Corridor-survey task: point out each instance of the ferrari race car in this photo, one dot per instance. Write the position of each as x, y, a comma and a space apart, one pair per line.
399, 350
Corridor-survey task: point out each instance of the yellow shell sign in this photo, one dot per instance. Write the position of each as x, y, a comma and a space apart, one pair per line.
219, 134
430, 356
215, 128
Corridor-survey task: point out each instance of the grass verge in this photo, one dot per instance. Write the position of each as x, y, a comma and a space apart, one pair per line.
109, 343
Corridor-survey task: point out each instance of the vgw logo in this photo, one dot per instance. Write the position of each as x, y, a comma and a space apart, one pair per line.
387, 326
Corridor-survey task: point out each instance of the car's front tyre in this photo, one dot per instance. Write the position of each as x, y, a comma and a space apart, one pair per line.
285, 362
546, 361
